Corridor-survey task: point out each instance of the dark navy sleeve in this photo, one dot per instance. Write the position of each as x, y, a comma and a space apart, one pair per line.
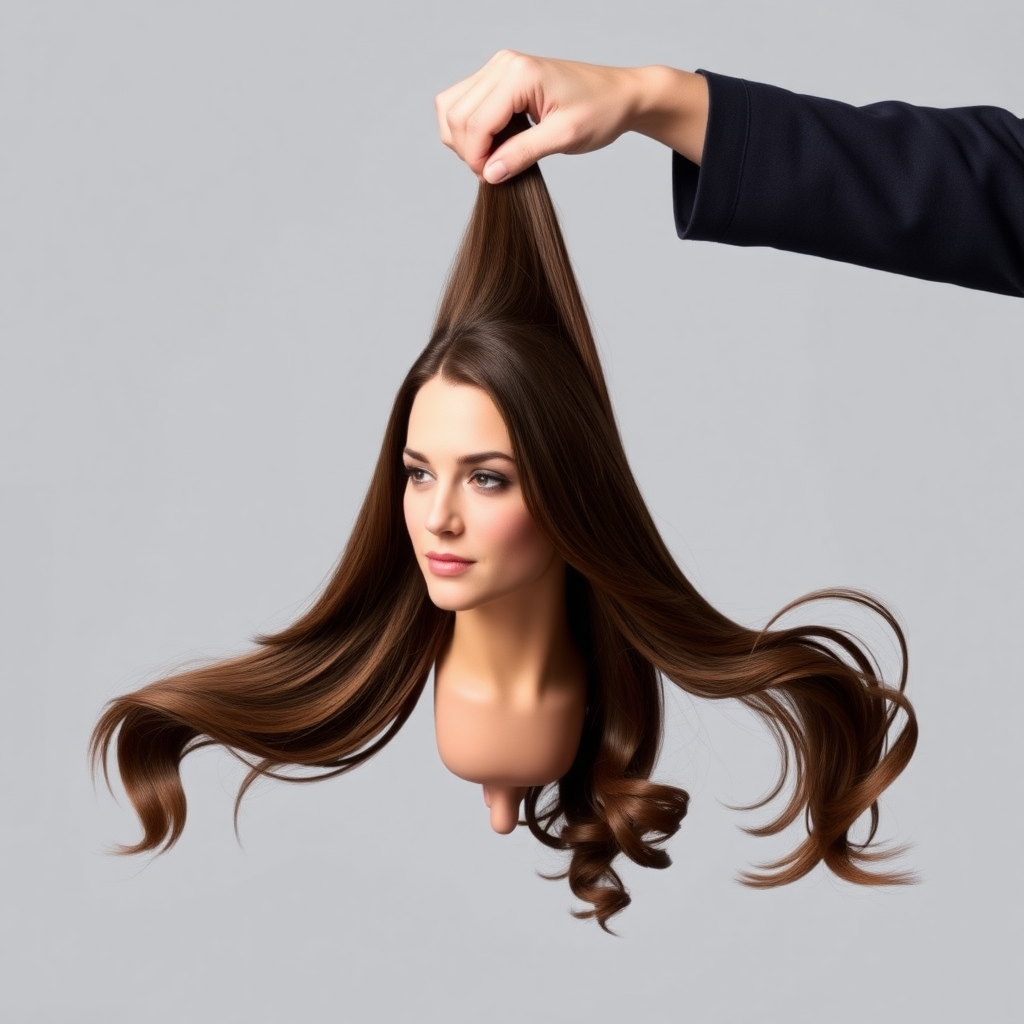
935, 194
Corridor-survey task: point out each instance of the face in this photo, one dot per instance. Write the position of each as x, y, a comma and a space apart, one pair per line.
474, 539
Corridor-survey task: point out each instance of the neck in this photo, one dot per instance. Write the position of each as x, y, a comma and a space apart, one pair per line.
518, 641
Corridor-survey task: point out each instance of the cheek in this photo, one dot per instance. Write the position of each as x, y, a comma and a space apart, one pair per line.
512, 534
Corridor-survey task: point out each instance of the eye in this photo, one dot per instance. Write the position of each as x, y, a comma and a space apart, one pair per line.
485, 481
416, 474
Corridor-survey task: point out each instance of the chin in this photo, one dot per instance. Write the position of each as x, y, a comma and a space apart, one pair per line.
448, 605
462, 599
448, 599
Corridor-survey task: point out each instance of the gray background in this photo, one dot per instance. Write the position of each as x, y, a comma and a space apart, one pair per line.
224, 229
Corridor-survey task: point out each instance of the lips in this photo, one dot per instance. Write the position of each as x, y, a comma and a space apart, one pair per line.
442, 564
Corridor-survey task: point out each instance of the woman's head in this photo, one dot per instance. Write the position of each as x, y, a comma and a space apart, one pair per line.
484, 556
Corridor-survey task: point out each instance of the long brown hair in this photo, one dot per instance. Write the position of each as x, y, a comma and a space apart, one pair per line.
332, 689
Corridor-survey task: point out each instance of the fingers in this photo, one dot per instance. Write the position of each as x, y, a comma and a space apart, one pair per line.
457, 103
476, 118
472, 112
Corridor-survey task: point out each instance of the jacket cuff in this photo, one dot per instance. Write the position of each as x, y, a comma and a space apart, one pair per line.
704, 198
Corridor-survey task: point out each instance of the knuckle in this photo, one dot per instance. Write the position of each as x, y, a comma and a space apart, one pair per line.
522, 63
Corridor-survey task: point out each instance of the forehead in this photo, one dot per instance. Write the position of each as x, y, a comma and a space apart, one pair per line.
455, 418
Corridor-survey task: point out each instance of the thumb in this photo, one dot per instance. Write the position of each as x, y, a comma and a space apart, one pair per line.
521, 151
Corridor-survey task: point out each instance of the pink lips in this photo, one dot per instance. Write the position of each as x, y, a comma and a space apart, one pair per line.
447, 565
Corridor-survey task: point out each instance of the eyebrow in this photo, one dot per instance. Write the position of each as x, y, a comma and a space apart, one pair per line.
464, 460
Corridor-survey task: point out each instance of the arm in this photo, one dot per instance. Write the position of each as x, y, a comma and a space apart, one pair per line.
935, 194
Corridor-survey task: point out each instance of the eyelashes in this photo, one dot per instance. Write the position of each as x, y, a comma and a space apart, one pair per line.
487, 481
415, 474
484, 480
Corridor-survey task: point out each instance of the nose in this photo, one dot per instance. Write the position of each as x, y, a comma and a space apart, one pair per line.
444, 516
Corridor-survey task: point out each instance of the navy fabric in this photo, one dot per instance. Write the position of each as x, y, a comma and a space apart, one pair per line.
930, 193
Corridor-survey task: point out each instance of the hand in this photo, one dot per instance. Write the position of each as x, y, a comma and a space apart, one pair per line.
576, 108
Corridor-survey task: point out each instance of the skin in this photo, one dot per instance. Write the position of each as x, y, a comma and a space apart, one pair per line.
575, 108
510, 688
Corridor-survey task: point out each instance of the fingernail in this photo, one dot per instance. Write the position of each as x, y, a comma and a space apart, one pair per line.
496, 172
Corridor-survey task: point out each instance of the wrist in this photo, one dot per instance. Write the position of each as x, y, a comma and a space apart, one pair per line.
672, 108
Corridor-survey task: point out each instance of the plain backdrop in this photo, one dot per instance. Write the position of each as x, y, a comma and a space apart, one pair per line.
223, 232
